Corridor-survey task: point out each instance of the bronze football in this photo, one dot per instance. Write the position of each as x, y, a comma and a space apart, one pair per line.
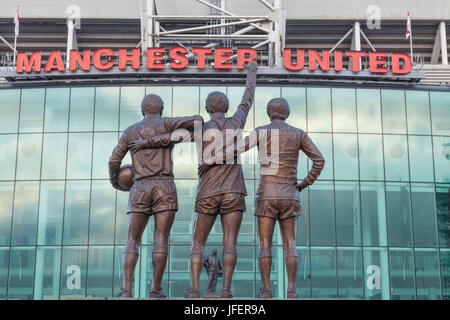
125, 177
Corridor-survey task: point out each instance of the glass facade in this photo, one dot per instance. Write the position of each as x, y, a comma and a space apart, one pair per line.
375, 225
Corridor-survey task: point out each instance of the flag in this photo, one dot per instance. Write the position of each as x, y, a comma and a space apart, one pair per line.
408, 26
16, 22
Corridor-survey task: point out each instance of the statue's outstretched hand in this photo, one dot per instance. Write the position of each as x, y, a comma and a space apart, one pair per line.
137, 145
252, 66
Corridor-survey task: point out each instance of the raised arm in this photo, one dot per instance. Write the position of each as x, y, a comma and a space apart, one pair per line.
116, 158
249, 94
310, 149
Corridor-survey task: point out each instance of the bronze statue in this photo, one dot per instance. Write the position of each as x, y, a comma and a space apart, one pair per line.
213, 267
277, 197
221, 190
153, 191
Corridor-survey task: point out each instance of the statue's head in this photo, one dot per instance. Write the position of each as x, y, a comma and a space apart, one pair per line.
278, 108
152, 104
217, 102
214, 252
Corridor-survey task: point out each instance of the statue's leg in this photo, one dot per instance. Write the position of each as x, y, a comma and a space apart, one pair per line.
202, 226
265, 232
231, 223
163, 224
214, 282
136, 226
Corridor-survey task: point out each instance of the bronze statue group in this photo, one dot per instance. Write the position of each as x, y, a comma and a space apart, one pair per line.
221, 188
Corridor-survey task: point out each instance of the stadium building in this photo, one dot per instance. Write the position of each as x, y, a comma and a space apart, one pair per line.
376, 225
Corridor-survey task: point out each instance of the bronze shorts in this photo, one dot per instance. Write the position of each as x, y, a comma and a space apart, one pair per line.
151, 196
279, 209
221, 204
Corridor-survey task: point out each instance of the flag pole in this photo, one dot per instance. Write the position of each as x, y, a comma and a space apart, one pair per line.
410, 37
15, 48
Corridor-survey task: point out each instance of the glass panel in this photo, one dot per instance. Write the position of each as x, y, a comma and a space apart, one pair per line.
54, 156
243, 283
348, 222
32, 110
297, 103
166, 94
118, 270
25, 213
46, 282
106, 109
8, 146
371, 157
321, 197
323, 272
6, 205
396, 158
443, 214
373, 214
4, 265
122, 217
376, 274
73, 272
345, 157
427, 274
394, 118
79, 156
398, 214
185, 161
421, 158
234, 95
9, 112
262, 97
143, 280
29, 157
442, 158
324, 144
303, 220
76, 212
103, 200
424, 215
350, 277
319, 109
369, 111
21, 273
276, 273
104, 144
57, 110
100, 272
418, 108
183, 224
185, 101
401, 263
204, 91
51, 208
303, 281
440, 112
344, 110
130, 105
445, 269
81, 109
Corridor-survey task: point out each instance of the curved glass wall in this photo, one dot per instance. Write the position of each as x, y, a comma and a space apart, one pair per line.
375, 225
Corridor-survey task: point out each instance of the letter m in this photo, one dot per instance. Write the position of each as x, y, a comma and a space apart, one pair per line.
24, 64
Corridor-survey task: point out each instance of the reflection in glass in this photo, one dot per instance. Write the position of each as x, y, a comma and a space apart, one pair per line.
418, 108
104, 143
371, 157
6, 205
350, 277
324, 144
424, 215
398, 214
56, 110
393, 106
427, 274
29, 157
348, 221
178, 267
100, 271
440, 112
401, 263
51, 208
26, 200
303, 281
345, 157
81, 109
445, 271
46, 282
101, 226
122, 217
8, 145
443, 214
262, 97
54, 156
9, 112
243, 283
376, 274
21, 273
442, 158
344, 110
73, 272
185, 101
319, 109
323, 272
296, 97
106, 108
396, 158
130, 105
4, 265
76, 212
79, 156
185, 161
321, 201
276, 273
421, 158
303, 220
32, 110
369, 111
373, 214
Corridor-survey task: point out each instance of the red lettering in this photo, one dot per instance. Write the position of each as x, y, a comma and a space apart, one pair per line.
28, 65
356, 55
178, 54
54, 61
338, 60
75, 59
396, 57
134, 58
245, 55
222, 61
201, 52
378, 62
97, 59
287, 58
155, 58
324, 61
